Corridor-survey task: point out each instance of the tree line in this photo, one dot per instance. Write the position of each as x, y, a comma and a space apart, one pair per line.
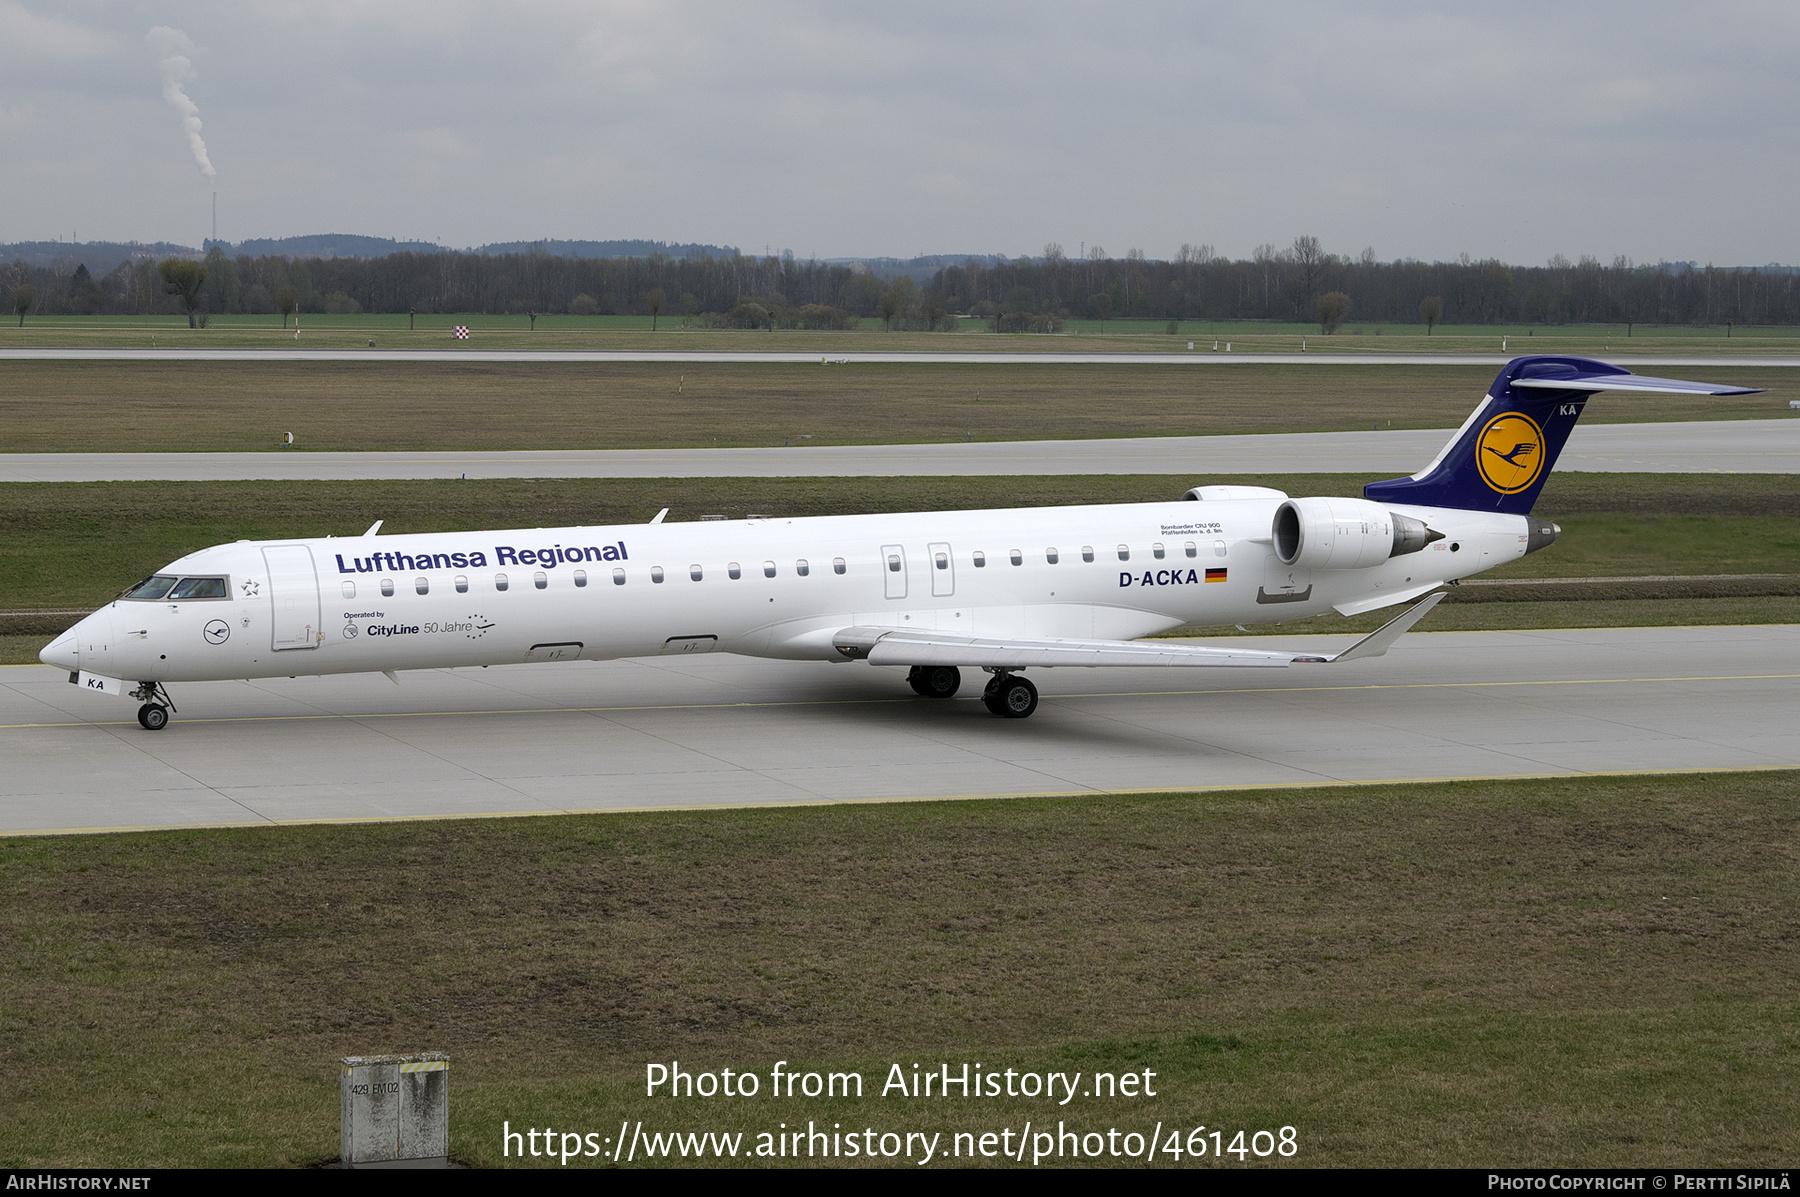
1301, 284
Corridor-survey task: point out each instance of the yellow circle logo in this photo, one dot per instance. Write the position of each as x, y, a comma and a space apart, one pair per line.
1510, 452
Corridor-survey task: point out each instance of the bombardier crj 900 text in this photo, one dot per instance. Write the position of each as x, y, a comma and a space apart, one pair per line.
1000, 591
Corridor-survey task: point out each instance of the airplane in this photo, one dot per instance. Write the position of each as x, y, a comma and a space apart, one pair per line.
1000, 591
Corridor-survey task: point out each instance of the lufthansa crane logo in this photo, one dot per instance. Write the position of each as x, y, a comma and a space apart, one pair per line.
1510, 452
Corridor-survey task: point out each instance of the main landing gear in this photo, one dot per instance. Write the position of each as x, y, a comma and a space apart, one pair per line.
154, 714
1007, 694
1010, 696
934, 681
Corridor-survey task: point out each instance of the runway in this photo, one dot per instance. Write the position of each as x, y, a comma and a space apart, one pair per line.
698, 357
731, 731
1719, 446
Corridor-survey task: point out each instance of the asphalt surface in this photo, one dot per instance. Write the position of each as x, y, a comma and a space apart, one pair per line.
1728, 446
731, 731
1200, 356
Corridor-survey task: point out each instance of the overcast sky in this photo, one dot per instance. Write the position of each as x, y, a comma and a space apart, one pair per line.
1518, 130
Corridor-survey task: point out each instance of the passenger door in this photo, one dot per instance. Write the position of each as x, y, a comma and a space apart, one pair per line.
943, 570
893, 570
293, 596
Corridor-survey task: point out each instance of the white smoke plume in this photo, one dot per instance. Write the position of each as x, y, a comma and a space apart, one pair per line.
172, 48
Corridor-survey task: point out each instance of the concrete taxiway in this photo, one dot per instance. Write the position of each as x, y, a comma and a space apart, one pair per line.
727, 731
1715, 446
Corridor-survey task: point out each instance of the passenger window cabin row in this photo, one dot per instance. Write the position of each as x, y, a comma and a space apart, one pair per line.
940, 559
1052, 556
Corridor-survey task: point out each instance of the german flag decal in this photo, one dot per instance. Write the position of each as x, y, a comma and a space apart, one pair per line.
1215, 575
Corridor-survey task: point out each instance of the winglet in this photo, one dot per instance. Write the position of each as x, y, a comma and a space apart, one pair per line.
1382, 638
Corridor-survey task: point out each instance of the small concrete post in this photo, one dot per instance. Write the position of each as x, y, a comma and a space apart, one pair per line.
395, 1110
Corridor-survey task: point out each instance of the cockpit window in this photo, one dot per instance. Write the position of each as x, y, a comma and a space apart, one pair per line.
150, 589
199, 588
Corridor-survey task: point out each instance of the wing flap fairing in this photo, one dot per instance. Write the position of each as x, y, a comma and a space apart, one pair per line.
900, 646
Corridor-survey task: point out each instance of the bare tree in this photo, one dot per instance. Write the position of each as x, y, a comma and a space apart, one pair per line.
898, 299
1095, 257
654, 299
1266, 260
24, 295
288, 300
1310, 259
1195, 255
184, 279
1134, 259
1334, 306
1431, 310
1101, 303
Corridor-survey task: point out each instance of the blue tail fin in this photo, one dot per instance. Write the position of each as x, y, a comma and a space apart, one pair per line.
1498, 460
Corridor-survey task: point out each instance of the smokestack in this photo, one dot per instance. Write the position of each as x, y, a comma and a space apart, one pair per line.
215, 235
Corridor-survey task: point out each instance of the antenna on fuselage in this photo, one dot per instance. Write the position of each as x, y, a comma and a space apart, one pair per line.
373, 528
659, 516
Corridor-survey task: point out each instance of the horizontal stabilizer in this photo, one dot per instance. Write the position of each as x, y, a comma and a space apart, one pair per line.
896, 646
1631, 382
1363, 606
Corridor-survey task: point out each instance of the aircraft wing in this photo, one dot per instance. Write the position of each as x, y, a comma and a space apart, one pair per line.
897, 646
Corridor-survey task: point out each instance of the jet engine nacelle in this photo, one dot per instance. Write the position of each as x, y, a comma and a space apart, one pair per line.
1344, 533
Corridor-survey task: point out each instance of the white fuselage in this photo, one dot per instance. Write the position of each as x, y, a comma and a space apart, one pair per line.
764, 587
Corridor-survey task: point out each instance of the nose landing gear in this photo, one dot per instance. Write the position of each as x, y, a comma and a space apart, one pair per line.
154, 714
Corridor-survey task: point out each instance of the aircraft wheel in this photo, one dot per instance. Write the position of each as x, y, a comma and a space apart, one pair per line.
1010, 697
1019, 699
915, 677
938, 681
153, 716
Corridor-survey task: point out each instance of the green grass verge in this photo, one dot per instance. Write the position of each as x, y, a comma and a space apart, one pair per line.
57, 407
1133, 335
1595, 972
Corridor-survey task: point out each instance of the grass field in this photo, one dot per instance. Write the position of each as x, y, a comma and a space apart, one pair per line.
1573, 972
1087, 336
58, 407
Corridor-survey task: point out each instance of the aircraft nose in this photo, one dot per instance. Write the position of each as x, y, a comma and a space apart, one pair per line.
87, 645
60, 652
